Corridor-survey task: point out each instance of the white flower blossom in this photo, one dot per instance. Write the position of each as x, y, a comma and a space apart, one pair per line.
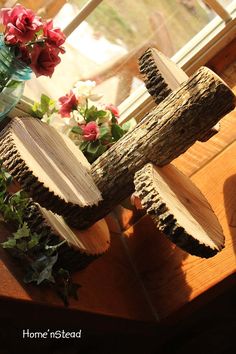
85, 89
78, 118
59, 123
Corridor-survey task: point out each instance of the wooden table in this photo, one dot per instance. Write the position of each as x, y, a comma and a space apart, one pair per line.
144, 278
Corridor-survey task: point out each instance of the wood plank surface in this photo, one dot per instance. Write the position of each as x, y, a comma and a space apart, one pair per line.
109, 285
172, 277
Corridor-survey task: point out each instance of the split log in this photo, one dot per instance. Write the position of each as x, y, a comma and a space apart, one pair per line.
81, 247
179, 209
165, 133
48, 166
162, 76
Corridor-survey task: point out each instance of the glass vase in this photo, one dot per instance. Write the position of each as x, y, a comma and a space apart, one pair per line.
13, 74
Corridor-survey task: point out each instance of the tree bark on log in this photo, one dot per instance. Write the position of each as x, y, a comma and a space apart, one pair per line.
165, 133
162, 76
179, 210
81, 247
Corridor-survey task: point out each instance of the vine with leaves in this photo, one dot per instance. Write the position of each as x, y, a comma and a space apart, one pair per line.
37, 252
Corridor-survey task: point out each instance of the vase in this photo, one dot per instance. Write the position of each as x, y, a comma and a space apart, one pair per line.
13, 74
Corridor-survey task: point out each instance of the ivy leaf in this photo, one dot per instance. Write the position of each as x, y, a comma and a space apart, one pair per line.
77, 130
34, 241
65, 286
41, 270
10, 243
117, 131
22, 231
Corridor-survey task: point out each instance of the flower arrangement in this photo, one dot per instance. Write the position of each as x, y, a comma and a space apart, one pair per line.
94, 128
31, 40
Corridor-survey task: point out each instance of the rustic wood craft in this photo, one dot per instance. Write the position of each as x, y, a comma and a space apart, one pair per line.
56, 175
179, 209
164, 133
81, 247
48, 166
162, 76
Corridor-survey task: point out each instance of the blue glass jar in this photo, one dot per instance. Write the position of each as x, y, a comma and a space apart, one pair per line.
13, 74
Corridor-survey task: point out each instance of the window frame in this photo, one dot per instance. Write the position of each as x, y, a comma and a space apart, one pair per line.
200, 49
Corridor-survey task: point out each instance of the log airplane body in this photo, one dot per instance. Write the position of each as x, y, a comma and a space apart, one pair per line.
56, 175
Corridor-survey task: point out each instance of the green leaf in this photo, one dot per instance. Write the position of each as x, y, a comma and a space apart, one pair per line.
83, 145
93, 147
34, 241
130, 124
41, 270
10, 243
91, 114
104, 132
77, 130
117, 131
46, 105
22, 231
13, 84
100, 113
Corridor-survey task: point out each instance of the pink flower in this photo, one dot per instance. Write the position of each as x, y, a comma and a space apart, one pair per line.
44, 59
68, 103
113, 109
90, 131
21, 24
54, 36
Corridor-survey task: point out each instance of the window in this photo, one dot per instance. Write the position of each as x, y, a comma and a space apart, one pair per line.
105, 46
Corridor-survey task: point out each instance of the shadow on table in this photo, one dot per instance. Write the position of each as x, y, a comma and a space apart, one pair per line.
230, 206
159, 266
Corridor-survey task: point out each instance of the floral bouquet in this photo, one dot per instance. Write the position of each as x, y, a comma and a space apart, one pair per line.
29, 40
94, 128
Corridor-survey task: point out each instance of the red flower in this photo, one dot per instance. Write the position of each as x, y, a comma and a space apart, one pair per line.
44, 59
54, 36
90, 131
21, 24
24, 55
68, 103
113, 109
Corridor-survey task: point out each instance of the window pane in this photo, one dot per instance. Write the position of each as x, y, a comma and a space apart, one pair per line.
106, 46
225, 3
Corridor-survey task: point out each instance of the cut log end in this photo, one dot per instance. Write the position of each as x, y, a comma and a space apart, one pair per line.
179, 210
161, 76
81, 247
48, 166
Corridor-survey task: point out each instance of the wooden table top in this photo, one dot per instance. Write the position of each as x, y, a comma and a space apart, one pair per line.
143, 276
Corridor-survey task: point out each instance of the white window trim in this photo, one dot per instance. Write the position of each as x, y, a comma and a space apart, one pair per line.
214, 36
197, 52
